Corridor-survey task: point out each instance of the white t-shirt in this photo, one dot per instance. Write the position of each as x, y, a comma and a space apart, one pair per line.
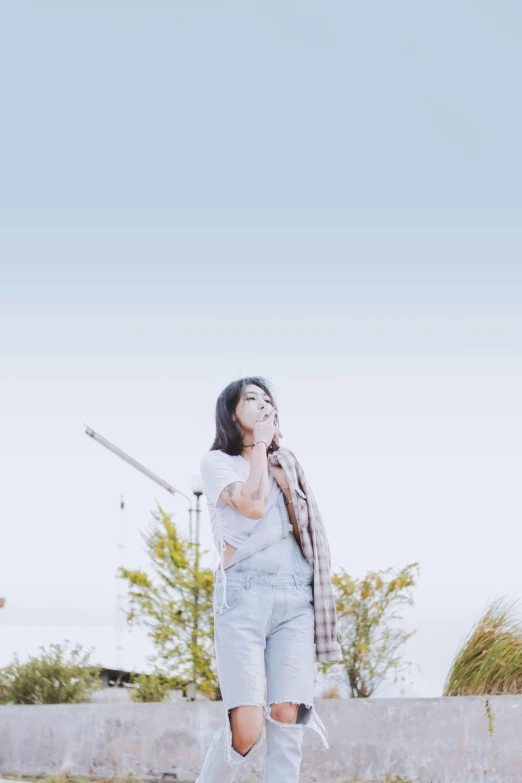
218, 470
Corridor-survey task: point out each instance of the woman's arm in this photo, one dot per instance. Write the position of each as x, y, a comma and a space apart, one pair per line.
250, 498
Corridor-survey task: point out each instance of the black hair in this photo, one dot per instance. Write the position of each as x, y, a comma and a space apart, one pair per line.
229, 437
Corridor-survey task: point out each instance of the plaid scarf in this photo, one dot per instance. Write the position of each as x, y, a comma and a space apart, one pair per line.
314, 544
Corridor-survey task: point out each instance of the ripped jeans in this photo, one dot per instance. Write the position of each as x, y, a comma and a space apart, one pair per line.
264, 641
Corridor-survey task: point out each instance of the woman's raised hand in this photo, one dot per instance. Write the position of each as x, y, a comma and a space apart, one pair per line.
266, 430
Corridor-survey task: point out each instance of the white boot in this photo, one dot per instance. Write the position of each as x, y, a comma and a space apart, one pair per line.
222, 761
284, 745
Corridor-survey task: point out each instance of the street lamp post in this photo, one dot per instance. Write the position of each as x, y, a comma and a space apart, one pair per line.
197, 488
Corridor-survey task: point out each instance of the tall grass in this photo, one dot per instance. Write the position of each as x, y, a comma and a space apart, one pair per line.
490, 660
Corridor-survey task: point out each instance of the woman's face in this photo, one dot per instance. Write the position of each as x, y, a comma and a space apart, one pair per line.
254, 405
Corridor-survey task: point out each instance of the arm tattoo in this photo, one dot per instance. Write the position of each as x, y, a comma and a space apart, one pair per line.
230, 493
257, 494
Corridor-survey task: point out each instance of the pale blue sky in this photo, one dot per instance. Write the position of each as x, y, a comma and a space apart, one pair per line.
327, 194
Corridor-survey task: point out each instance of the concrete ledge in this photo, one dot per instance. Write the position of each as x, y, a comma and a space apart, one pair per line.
443, 740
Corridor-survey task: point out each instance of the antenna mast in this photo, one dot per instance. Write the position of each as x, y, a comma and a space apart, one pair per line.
120, 594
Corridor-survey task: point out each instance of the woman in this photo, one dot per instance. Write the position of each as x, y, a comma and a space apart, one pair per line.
263, 596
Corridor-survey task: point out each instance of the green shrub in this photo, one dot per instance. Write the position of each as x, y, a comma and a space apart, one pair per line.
490, 660
151, 687
57, 676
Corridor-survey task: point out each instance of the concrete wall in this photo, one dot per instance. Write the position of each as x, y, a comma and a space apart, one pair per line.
443, 740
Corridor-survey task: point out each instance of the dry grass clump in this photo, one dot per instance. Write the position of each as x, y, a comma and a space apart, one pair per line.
331, 693
490, 660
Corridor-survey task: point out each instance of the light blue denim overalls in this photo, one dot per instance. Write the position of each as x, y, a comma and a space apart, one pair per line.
264, 641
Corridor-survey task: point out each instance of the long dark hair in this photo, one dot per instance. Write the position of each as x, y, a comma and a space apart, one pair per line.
229, 437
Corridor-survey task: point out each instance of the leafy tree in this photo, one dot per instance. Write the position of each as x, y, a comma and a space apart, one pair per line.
367, 614
58, 676
490, 660
175, 604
